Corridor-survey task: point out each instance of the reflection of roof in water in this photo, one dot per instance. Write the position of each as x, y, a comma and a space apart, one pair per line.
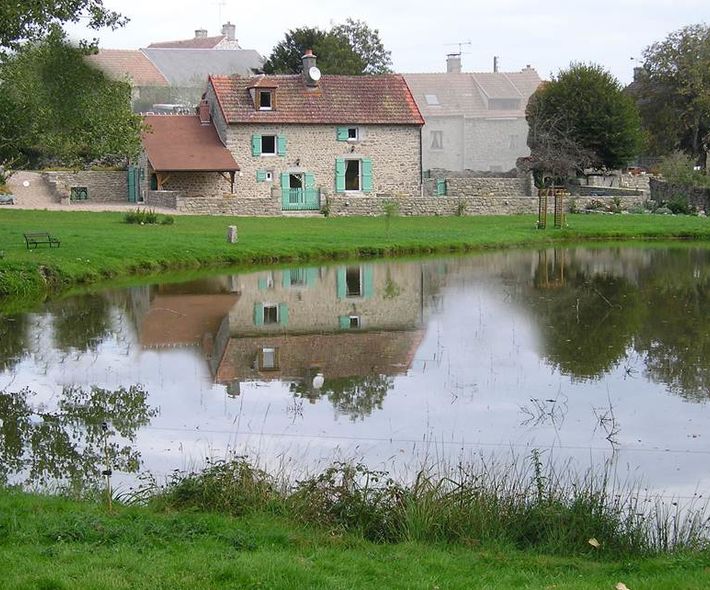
183, 320
343, 354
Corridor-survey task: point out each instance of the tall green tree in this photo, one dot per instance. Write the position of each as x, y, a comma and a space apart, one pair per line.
55, 106
366, 43
351, 48
673, 93
34, 19
584, 111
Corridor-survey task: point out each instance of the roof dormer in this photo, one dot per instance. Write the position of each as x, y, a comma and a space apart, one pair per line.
263, 93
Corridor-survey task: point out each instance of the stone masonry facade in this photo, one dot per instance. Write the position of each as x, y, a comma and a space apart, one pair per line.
103, 186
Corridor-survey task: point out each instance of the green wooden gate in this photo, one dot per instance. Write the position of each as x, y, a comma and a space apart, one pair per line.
134, 184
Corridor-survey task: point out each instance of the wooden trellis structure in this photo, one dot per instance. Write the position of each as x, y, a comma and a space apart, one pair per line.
558, 194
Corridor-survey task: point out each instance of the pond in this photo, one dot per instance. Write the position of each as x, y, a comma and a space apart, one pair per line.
592, 355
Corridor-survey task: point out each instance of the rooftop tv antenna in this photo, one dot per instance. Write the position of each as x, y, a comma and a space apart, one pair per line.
220, 5
460, 46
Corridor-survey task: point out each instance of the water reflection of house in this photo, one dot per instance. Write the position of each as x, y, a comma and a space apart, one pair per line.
185, 314
344, 321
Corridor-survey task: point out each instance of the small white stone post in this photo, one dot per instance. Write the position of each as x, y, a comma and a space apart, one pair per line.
232, 236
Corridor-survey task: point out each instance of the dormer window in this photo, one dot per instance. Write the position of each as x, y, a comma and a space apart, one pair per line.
265, 100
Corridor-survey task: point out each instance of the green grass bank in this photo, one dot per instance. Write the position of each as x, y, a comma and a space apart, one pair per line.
98, 246
61, 544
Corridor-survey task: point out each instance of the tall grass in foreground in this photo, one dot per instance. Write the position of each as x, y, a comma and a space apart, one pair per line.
524, 503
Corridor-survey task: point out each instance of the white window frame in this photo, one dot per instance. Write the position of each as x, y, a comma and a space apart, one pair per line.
271, 99
356, 131
359, 175
266, 306
355, 322
274, 357
361, 290
276, 145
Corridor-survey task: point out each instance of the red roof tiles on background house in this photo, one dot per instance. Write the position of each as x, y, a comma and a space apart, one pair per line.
196, 43
128, 63
373, 100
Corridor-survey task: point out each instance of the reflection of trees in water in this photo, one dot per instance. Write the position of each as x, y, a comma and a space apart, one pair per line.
38, 446
13, 339
675, 334
588, 323
589, 320
356, 397
81, 323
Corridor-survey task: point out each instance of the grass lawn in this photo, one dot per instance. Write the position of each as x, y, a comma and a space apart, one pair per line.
99, 246
55, 543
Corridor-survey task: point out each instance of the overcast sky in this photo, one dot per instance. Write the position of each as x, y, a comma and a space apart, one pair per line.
547, 35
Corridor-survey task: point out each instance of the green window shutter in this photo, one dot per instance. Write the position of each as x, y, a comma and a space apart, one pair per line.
281, 145
258, 314
311, 276
344, 322
263, 285
260, 175
284, 185
340, 283
368, 289
440, 187
366, 175
283, 314
341, 133
286, 279
339, 175
256, 145
310, 180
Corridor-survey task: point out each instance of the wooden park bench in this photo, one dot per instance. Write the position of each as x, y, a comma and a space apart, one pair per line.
34, 239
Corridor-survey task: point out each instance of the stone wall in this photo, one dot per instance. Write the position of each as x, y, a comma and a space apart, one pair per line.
698, 198
394, 151
605, 191
104, 186
626, 202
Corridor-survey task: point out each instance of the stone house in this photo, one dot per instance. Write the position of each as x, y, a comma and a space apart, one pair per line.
304, 142
474, 121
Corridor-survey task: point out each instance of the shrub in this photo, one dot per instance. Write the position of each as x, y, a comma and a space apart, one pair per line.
351, 497
234, 487
679, 205
663, 211
147, 217
679, 168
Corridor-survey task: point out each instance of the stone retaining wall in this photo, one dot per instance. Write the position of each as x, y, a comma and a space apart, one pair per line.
698, 198
225, 204
605, 191
104, 186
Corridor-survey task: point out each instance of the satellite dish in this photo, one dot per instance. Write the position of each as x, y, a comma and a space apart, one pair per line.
314, 73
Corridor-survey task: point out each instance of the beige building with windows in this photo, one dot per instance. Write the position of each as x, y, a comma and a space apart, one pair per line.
474, 121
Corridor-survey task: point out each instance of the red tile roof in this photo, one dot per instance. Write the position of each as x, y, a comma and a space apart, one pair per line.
128, 63
196, 43
367, 100
180, 143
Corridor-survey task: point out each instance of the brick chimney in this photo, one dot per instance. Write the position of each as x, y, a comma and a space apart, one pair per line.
453, 63
230, 31
204, 112
309, 61
200, 33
